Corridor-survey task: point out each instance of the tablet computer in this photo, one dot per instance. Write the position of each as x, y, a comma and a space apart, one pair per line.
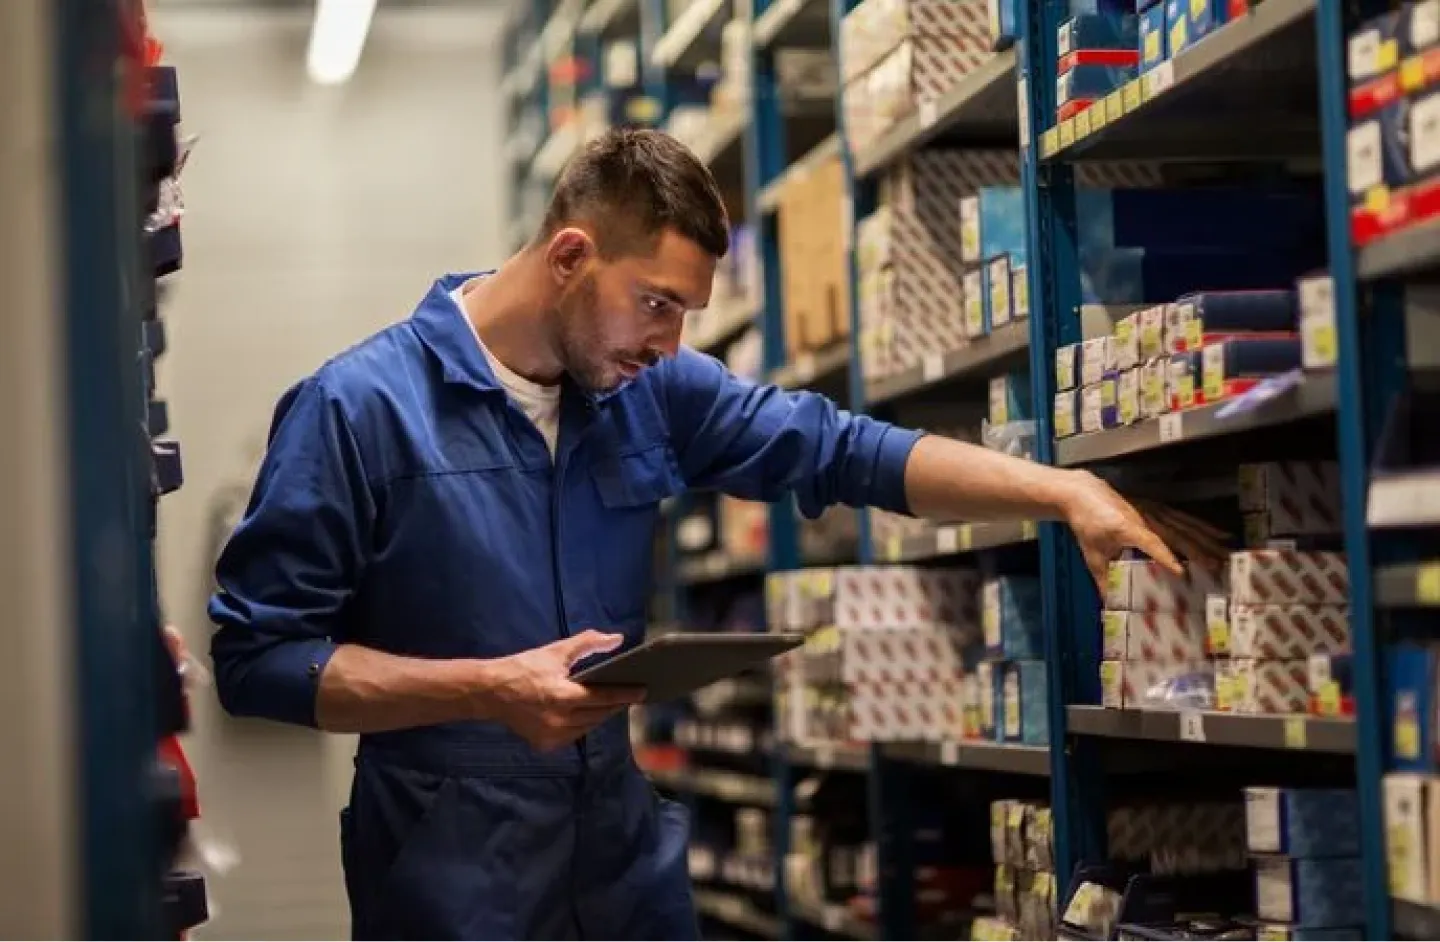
676, 664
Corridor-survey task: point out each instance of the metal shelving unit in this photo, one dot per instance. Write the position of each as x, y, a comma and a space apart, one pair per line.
1280, 67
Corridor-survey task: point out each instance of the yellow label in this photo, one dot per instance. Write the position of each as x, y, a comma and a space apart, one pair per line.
1107, 394
1397, 846
1388, 55
1067, 133
1082, 124
1214, 383
1110, 673
1113, 626
1114, 105
1186, 391
1322, 340
1427, 584
1115, 579
1219, 634
1224, 692
1295, 732
824, 582
965, 537
1377, 198
1412, 74
1194, 333
1099, 117
1178, 35
1017, 817
1407, 737
1149, 339
1027, 530
1328, 699
1124, 330
1049, 142
892, 548
1132, 94
1022, 295
1152, 46
1197, 9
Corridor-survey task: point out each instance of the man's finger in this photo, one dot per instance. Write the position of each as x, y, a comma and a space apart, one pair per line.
586, 643
1146, 541
578, 696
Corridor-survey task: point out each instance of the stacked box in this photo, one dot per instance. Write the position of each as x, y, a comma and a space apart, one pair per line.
815, 269
1153, 628
1022, 847
902, 54
1283, 607
1412, 836
1013, 671
1282, 499
1194, 837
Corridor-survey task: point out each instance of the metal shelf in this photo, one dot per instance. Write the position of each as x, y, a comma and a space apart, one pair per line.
987, 756
1415, 920
793, 23
834, 919
987, 354
606, 18
738, 912
1408, 251
829, 756
1296, 733
1312, 397
955, 538
681, 46
809, 367
1206, 102
1412, 585
768, 198
982, 107
717, 566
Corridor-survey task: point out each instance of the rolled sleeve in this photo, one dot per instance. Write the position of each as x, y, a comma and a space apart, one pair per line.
292, 564
762, 442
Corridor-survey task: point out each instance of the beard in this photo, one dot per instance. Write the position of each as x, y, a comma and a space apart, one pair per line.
583, 352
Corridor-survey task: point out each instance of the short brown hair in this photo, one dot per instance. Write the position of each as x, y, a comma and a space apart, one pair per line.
631, 185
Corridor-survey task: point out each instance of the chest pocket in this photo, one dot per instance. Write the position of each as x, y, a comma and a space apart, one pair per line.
630, 487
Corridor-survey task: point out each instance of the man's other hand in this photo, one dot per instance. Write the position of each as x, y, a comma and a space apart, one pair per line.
536, 698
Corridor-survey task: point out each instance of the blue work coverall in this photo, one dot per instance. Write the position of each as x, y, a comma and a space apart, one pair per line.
406, 504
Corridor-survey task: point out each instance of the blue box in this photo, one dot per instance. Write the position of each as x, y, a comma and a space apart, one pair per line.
1098, 7
1088, 82
991, 677
1010, 617
1220, 312
1216, 217
976, 304
1410, 689
1177, 27
1003, 19
1302, 822
1279, 931
1097, 31
1206, 16
1247, 358
1010, 398
992, 222
1154, 41
1312, 893
1025, 712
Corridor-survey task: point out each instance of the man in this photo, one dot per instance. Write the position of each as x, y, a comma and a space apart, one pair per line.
453, 512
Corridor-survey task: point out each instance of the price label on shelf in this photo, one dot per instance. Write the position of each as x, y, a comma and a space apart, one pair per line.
1027, 529
1172, 427
1192, 726
1114, 105
1099, 117
947, 541
932, 368
1049, 142
929, 113
1082, 124
1427, 584
1022, 108
949, 753
1159, 79
1295, 732
967, 537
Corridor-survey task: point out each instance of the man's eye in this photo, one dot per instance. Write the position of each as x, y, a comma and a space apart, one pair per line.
654, 304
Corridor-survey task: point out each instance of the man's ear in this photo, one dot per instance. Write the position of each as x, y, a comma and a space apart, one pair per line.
571, 250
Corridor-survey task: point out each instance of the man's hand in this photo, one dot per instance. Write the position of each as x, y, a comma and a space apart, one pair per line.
1105, 524
535, 697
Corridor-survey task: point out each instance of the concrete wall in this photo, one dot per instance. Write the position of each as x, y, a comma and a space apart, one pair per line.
315, 215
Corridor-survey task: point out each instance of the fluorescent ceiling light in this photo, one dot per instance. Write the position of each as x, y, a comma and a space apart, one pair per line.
337, 38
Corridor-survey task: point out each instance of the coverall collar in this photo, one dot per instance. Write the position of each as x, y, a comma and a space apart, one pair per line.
453, 342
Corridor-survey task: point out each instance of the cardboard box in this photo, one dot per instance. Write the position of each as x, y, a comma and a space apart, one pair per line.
1024, 703
999, 291
992, 223
1066, 419
1092, 408
977, 320
1136, 585
913, 75
1155, 638
1010, 617
1154, 399
815, 279
874, 28
1316, 892
1412, 836
1067, 371
1279, 632
1198, 315
905, 596
1299, 497
1010, 398
1302, 822
1152, 323
1252, 685
1317, 322
1275, 576
1095, 358
1124, 684
1127, 393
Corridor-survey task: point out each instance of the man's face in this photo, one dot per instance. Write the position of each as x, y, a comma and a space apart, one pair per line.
619, 316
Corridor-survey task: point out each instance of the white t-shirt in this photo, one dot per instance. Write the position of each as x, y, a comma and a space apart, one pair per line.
541, 404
